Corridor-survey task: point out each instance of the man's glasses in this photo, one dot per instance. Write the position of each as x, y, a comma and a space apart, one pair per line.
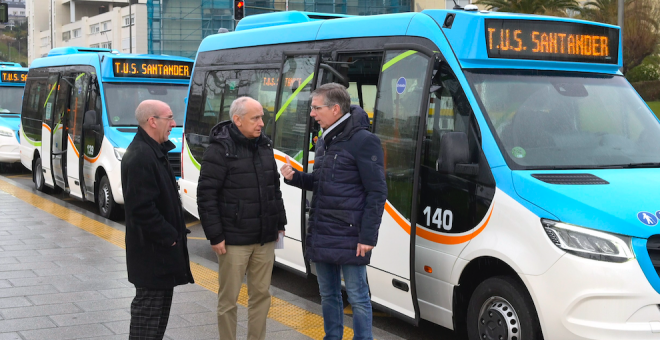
168, 118
314, 108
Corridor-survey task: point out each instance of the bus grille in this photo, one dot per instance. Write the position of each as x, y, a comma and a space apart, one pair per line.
175, 162
653, 247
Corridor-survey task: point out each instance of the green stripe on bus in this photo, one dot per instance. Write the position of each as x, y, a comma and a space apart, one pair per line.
51, 92
398, 59
288, 101
80, 75
34, 143
194, 161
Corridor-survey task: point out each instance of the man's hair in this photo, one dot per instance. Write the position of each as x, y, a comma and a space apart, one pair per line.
237, 107
334, 94
146, 109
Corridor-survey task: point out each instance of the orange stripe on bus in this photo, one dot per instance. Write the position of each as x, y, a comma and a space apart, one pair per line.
431, 236
93, 160
294, 164
73, 146
47, 127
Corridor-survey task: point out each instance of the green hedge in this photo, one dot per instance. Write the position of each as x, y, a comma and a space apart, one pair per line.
649, 90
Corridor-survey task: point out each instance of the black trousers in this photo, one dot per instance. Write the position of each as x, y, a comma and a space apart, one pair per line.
150, 311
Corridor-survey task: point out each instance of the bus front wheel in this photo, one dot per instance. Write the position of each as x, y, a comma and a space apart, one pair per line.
108, 208
501, 308
38, 175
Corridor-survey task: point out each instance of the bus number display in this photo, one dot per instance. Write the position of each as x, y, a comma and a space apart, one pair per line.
166, 69
551, 40
13, 76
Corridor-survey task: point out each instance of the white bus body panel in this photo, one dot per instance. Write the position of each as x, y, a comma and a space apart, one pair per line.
45, 160
27, 150
112, 166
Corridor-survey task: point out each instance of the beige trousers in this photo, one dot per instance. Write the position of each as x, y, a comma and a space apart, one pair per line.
257, 262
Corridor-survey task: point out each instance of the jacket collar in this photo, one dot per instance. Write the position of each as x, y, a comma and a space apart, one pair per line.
160, 149
357, 120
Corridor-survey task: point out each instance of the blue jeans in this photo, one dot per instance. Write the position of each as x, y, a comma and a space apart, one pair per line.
355, 279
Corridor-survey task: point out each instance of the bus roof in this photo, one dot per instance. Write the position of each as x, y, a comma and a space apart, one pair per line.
103, 59
289, 27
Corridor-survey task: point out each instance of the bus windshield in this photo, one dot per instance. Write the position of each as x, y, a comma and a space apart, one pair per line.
552, 120
123, 98
10, 99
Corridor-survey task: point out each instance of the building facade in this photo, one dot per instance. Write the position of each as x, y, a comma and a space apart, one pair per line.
173, 27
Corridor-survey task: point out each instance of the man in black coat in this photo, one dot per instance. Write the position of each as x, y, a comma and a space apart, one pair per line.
156, 244
349, 197
242, 213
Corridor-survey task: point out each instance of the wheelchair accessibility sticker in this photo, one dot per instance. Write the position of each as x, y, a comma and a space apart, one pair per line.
648, 218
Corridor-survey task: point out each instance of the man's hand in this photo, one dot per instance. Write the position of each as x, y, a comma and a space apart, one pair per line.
220, 248
363, 249
174, 244
287, 170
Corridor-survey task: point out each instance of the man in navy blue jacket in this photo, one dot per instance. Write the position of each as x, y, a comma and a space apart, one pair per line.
349, 197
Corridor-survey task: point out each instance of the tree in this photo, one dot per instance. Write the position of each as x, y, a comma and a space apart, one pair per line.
641, 34
547, 7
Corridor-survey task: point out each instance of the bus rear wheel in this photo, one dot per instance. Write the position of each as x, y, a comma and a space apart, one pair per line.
108, 208
501, 309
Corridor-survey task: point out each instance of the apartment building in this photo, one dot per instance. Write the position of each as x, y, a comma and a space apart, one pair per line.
88, 23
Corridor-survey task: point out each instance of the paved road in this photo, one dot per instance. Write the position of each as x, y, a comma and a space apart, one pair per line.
306, 288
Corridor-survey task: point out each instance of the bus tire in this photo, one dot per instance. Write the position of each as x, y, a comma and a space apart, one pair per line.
38, 176
501, 308
108, 208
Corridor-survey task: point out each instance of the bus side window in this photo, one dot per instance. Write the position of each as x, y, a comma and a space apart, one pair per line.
291, 118
77, 106
35, 96
396, 122
461, 200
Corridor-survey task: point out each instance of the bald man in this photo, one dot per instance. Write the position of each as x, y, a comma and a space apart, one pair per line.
156, 245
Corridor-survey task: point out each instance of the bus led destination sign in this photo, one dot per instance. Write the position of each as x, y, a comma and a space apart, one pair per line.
551, 40
13, 76
147, 68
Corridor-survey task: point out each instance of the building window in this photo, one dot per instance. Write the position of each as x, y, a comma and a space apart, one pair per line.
44, 41
106, 26
93, 29
77, 33
66, 35
126, 23
94, 45
107, 45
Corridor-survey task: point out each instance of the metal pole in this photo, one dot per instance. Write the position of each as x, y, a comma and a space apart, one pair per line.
130, 26
620, 17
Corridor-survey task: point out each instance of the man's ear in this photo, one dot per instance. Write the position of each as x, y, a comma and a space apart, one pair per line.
237, 120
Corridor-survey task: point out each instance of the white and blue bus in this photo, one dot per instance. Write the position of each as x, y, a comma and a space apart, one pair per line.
522, 168
12, 81
78, 117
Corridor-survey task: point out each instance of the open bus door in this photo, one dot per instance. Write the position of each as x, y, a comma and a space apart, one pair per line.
292, 138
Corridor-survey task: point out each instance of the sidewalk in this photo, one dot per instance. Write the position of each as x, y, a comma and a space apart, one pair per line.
63, 276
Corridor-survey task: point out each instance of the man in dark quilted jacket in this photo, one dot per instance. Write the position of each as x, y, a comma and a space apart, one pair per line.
241, 209
349, 188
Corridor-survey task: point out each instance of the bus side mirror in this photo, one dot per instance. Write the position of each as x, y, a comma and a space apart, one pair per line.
454, 158
89, 121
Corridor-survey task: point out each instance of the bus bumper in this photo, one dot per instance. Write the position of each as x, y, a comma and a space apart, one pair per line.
579, 298
9, 150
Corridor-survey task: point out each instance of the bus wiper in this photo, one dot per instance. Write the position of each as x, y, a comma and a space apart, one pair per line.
643, 165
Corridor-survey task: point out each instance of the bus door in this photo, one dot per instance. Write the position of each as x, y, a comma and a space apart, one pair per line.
92, 138
402, 98
74, 126
58, 137
47, 131
292, 138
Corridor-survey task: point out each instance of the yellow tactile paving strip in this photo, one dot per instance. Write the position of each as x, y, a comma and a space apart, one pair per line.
281, 311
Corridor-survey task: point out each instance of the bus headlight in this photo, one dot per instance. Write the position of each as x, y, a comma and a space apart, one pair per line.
589, 243
119, 153
6, 132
